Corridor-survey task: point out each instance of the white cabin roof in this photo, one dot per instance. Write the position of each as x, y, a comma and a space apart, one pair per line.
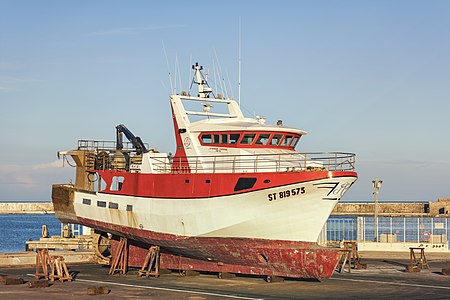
245, 124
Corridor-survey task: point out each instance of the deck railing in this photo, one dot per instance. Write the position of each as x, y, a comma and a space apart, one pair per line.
104, 145
283, 162
286, 162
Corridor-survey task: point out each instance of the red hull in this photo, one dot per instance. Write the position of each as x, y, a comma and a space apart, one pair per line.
206, 185
233, 255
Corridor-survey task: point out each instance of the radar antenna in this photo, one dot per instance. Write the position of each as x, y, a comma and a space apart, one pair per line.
202, 84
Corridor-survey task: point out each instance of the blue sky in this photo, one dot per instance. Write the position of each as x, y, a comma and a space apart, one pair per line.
369, 77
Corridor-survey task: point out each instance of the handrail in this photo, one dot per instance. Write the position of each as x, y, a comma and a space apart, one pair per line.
286, 162
279, 162
104, 145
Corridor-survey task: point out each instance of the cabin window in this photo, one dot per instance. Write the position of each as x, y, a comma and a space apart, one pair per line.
101, 203
206, 139
216, 139
286, 141
234, 137
224, 139
276, 139
116, 184
113, 205
248, 139
86, 201
294, 141
244, 184
129, 207
263, 139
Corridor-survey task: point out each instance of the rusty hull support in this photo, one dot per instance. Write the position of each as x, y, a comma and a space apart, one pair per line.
151, 263
120, 259
55, 264
417, 260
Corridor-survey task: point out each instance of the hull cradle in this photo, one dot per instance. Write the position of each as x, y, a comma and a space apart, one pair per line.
232, 255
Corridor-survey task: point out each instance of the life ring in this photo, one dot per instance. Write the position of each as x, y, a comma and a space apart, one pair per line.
93, 178
426, 236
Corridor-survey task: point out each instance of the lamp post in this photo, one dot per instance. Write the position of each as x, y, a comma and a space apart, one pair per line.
376, 187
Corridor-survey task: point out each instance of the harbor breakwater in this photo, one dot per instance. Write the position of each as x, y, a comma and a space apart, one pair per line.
387, 209
26, 208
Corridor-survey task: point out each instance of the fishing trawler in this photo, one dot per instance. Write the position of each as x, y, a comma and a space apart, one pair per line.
235, 197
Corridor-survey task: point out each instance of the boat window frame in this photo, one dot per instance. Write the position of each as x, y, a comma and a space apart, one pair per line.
227, 136
260, 136
279, 141
237, 140
286, 137
116, 183
210, 138
248, 138
294, 141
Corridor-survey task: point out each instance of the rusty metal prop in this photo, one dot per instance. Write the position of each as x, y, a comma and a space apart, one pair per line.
419, 261
49, 265
59, 266
120, 260
151, 263
354, 259
42, 262
345, 261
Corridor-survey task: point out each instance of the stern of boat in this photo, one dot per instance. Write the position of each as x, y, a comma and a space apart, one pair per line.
63, 198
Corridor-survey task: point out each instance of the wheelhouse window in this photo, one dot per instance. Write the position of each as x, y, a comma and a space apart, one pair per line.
248, 139
216, 139
234, 138
262, 139
257, 139
286, 141
224, 139
294, 141
206, 139
276, 139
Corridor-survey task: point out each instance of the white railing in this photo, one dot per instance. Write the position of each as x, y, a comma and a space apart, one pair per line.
93, 145
287, 162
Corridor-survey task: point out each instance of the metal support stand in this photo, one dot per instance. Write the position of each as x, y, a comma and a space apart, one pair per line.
345, 260
42, 262
151, 263
120, 260
55, 264
59, 266
354, 258
419, 261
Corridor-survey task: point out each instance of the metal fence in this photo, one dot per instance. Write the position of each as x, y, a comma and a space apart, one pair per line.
390, 230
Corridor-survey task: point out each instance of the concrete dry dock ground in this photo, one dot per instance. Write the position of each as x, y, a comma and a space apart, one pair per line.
384, 278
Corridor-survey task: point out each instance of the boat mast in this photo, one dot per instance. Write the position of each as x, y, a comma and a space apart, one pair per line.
203, 88
239, 67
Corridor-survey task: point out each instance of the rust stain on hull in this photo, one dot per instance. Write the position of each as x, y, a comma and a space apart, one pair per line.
231, 255
234, 255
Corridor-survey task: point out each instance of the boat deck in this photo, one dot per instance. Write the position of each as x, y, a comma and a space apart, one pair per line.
384, 278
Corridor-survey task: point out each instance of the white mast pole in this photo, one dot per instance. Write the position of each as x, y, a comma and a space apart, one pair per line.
168, 68
239, 68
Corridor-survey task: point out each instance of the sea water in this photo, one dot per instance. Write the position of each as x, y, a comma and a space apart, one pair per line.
15, 230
